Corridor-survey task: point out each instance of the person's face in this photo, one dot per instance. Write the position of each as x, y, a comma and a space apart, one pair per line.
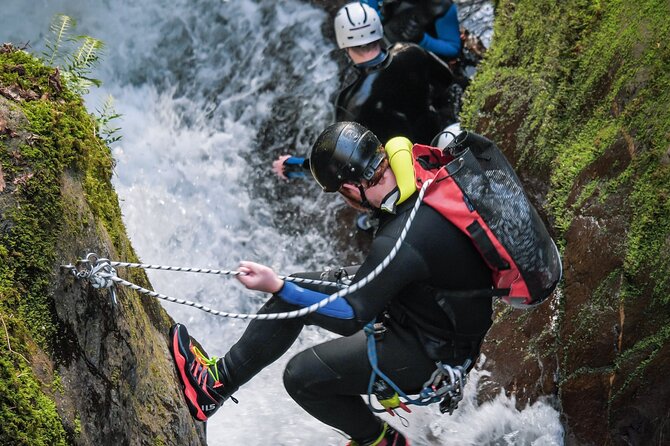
364, 53
375, 193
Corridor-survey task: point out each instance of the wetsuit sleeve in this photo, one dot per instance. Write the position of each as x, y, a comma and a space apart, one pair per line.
296, 295
448, 41
296, 167
368, 302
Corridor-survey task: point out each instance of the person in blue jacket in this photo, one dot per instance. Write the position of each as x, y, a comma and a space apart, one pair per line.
432, 24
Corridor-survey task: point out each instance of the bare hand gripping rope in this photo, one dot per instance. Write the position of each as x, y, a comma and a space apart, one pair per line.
101, 273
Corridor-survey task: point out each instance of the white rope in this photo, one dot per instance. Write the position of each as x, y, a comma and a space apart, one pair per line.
108, 276
224, 272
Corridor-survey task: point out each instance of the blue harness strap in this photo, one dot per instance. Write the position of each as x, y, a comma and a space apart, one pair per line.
445, 385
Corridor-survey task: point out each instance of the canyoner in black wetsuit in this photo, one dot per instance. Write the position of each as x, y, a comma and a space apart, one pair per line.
402, 90
407, 93
328, 379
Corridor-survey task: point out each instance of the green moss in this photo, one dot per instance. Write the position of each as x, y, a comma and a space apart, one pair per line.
586, 193
35, 214
57, 384
23, 70
648, 239
77, 426
64, 139
639, 357
28, 416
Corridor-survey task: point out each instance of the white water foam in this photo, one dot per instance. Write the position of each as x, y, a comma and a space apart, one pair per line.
210, 92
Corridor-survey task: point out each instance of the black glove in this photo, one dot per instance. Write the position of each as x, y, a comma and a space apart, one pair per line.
404, 28
413, 31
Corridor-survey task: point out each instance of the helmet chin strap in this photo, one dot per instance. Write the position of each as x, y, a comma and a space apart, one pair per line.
364, 200
390, 201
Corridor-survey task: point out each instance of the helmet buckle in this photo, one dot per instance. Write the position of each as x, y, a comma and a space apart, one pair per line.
370, 170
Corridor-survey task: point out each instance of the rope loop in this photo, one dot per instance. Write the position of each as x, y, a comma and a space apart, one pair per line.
98, 271
101, 274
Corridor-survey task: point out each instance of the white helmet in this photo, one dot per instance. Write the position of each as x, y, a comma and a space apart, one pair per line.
447, 135
357, 24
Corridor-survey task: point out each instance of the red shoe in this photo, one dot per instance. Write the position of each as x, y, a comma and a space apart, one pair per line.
388, 437
198, 374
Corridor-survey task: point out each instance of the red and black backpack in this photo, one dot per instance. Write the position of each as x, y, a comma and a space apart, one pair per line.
476, 189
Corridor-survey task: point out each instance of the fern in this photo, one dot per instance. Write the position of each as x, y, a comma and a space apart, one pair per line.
80, 64
60, 25
104, 117
78, 55
86, 55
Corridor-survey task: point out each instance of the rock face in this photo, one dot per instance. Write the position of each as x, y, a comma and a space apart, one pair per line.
75, 369
576, 94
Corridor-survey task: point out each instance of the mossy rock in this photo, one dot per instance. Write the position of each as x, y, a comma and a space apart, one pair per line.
577, 93
76, 369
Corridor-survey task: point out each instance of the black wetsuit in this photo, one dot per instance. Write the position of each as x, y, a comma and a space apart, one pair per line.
328, 379
408, 94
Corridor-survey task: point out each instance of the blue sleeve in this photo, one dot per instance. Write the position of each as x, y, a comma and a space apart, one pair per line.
376, 5
294, 167
293, 160
448, 41
296, 295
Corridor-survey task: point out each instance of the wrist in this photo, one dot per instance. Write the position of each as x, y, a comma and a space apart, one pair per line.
279, 285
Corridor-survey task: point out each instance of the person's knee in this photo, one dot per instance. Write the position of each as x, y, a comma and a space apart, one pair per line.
307, 376
295, 379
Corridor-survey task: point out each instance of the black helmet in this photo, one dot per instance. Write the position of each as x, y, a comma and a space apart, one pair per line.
345, 151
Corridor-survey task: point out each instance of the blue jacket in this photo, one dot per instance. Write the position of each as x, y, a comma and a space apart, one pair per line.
441, 34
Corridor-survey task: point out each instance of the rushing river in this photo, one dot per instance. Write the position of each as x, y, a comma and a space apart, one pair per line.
211, 91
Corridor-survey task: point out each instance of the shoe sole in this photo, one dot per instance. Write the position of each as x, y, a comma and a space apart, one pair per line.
180, 363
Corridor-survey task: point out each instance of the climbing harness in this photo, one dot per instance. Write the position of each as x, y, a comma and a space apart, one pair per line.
444, 386
101, 274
